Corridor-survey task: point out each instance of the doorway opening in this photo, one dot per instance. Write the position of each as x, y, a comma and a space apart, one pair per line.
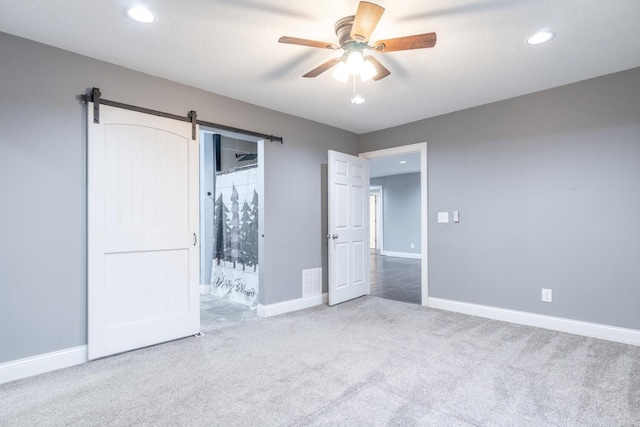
398, 227
230, 223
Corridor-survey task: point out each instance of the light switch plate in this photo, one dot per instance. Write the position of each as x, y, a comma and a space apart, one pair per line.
443, 217
456, 216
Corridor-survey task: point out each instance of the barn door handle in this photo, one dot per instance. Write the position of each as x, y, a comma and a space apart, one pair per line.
195, 239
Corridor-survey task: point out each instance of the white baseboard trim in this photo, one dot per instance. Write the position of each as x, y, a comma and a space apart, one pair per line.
587, 329
291, 305
29, 366
205, 289
401, 254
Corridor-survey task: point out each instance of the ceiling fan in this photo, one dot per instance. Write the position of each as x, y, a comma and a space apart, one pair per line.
353, 37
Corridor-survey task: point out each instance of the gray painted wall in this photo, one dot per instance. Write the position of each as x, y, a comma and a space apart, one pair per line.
43, 277
548, 189
401, 212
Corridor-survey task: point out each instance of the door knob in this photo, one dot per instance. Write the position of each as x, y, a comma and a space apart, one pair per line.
335, 236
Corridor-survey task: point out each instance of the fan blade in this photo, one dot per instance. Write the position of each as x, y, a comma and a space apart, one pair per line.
322, 68
365, 21
305, 42
381, 70
419, 41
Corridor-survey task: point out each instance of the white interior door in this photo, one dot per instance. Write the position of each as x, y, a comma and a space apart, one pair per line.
143, 210
348, 227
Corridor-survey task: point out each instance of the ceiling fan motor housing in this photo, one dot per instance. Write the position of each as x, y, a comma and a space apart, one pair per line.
343, 29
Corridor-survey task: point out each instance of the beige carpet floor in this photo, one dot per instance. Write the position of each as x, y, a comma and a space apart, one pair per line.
366, 362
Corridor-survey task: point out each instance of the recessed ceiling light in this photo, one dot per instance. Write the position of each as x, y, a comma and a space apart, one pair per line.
141, 14
541, 37
357, 99
403, 162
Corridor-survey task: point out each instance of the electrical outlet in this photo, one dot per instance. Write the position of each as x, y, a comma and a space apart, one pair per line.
413, 246
443, 217
546, 295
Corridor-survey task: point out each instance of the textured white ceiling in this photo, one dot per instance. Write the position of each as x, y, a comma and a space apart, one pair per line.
230, 47
390, 165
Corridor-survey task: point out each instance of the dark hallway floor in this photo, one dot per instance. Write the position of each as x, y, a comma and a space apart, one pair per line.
396, 278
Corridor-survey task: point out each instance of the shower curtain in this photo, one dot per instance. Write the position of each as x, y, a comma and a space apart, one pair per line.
234, 274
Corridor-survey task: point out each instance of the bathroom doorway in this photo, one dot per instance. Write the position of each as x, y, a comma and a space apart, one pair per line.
230, 185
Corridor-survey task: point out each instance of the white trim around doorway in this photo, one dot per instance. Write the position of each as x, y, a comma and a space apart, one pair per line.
421, 148
377, 191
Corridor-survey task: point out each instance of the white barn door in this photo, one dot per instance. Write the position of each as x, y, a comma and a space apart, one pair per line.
348, 229
143, 212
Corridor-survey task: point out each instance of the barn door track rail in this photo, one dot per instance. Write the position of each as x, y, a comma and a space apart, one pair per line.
95, 96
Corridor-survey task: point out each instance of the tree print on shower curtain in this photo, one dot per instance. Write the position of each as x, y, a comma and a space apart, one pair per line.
221, 230
236, 237
253, 232
245, 235
234, 228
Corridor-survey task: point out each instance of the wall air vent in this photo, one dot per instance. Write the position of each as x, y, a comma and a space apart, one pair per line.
311, 282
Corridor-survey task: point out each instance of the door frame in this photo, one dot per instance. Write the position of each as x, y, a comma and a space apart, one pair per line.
206, 144
421, 148
377, 191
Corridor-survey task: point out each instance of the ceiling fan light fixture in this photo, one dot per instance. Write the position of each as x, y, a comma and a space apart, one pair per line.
141, 14
357, 99
341, 72
354, 62
367, 71
541, 37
